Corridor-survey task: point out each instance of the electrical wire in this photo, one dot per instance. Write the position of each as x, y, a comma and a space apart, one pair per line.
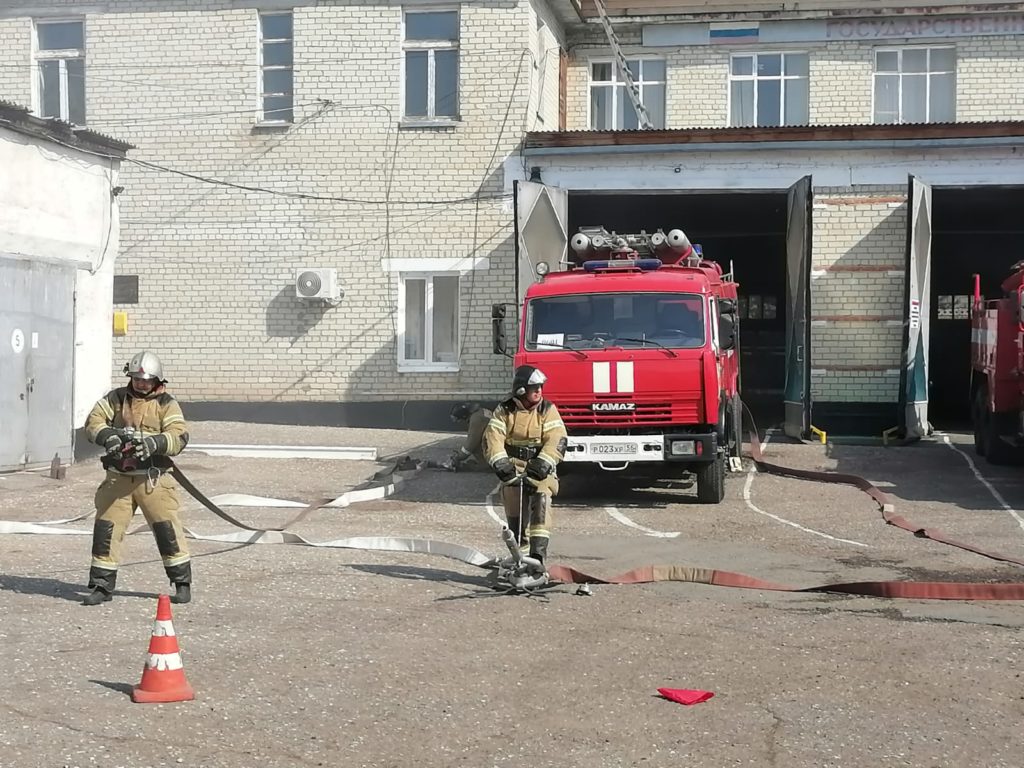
487, 172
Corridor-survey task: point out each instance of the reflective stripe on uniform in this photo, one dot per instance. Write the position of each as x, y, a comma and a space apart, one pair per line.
178, 560
498, 425
549, 459
106, 407
173, 418
498, 457
553, 424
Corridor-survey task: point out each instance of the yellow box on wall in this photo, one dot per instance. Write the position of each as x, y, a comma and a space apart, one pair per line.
120, 323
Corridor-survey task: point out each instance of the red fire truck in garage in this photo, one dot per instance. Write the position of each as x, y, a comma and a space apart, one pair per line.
997, 375
639, 340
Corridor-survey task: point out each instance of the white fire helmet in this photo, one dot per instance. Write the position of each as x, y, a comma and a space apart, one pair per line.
145, 365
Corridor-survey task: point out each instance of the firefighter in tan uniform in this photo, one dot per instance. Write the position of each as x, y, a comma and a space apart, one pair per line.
470, 454
137, 425
526, 439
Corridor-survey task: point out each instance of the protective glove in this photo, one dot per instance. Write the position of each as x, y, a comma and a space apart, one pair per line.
112, 440
537, 468
505, 470
150, 445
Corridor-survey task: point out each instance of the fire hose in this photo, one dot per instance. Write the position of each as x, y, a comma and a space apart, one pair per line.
918, 590
923, 590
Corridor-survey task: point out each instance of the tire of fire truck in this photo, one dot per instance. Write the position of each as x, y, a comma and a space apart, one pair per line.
711, 481
997, 450
978, 412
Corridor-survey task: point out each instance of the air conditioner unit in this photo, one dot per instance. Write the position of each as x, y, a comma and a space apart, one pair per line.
314, 283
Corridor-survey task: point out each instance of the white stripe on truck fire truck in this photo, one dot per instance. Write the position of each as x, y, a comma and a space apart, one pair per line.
624, 377
602, 378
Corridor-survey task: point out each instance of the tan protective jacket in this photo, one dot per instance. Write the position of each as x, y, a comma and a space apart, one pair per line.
541, 428
158, 413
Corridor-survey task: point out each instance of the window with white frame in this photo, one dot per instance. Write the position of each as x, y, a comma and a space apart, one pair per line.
430, 48
277, 80
60, 63
428, 305
610, 105
915, 85
768, 89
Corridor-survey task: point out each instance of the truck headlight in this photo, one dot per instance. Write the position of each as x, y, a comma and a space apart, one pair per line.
683, 448
543, 268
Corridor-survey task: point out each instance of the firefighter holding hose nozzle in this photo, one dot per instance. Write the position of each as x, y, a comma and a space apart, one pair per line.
524, 441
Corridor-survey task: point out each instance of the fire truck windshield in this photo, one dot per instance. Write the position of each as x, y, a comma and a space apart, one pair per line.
628, 320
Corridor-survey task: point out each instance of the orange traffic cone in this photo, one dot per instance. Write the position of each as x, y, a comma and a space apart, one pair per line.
163, 677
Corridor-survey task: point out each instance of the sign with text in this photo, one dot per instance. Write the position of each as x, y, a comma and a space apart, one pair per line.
837, 30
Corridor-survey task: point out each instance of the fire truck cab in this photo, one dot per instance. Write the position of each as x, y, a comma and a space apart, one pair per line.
639, 341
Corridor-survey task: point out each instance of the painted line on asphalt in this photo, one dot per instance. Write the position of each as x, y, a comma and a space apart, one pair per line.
984, 481
616, 515
489, 505
750, 504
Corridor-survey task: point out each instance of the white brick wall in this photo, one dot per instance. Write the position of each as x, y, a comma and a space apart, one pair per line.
857, 283
990, 79
216, 264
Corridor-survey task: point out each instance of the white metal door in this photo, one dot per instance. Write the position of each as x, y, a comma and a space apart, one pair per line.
914, 375
542, 231
798, 278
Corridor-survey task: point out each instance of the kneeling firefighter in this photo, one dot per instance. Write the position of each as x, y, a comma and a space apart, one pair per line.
526, 439
471, 453
138, 425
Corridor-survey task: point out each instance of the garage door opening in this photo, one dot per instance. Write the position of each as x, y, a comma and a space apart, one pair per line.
975, 230
744, 232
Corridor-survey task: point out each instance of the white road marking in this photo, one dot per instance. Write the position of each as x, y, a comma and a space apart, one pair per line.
489, 505
984, 481
614, 513
750, 504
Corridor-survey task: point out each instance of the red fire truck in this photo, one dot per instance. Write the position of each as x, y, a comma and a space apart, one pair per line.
997, 375
639, 341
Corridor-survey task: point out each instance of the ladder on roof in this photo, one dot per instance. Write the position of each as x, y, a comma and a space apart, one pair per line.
643, 116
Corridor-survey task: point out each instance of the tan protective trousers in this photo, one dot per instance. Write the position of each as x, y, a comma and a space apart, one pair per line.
117, 498
528, 513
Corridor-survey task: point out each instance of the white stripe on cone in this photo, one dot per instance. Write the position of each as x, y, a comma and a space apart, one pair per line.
164, 662
163, 628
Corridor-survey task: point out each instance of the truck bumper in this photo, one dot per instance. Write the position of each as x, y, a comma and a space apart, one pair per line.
620, 450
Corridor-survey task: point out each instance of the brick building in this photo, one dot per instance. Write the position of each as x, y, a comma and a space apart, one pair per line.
386, 142
791, 140
377, 134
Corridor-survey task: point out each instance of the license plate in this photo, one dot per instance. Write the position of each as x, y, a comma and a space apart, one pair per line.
613, 448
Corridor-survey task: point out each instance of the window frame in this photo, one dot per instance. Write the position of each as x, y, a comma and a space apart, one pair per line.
430, 46
753, 77
62, 56
426, 365
899, 50
617, 85
261, 94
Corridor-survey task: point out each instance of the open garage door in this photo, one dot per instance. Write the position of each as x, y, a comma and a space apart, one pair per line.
798, 277
542, 220
917, 292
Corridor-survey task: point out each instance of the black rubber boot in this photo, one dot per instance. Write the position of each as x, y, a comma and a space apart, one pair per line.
183, 594
97, 596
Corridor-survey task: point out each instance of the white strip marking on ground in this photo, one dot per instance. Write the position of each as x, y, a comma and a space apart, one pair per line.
286, 452
750, 504
984, 481
489, 505
646, 531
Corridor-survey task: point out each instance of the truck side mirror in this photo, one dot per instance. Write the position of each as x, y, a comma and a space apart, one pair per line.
727, 331
1020, 307
727, 306
498, 340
